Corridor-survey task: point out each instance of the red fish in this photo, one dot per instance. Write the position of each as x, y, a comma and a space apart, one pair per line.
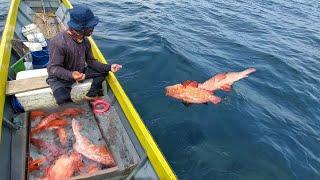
64, 167
44, 122
225, 80
53, 124
51, 148
194, 92
57, 115
35, 164
37, 113
72, 112
57, 123
188, 92
62, 134
85, 147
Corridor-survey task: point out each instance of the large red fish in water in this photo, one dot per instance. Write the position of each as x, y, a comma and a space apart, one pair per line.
85, 147
194, 92
64, 167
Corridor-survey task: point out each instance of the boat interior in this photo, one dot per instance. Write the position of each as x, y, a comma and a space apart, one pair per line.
110, 129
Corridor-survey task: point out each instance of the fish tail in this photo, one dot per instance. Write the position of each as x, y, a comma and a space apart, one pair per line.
75, 127
47, 173
248, 71
35, 131
36, 113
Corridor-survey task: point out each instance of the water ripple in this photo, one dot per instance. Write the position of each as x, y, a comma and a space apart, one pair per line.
268, 127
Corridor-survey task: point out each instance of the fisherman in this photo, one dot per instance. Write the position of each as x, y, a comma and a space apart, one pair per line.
71, 59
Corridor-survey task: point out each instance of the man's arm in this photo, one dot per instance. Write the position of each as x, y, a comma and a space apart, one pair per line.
56, 59
91, 62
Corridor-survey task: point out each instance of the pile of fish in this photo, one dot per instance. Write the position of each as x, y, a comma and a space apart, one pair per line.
193, 92
65, 154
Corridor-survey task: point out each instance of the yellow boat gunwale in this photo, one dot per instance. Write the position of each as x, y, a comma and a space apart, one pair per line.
5, 53
152, 150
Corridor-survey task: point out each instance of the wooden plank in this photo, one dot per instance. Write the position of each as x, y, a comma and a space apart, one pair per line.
136, 143
48, 24
98, 173
110, 174
117, 139
19, 150
23, 85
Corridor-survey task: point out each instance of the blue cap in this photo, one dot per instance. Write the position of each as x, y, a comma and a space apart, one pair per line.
81, 17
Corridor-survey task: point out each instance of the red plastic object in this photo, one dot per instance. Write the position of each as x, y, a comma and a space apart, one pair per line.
100, 106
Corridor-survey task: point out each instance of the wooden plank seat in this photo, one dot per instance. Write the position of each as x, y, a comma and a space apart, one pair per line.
33, 92
24, 85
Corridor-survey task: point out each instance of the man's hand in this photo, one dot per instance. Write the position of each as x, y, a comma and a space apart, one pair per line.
77, 76
115, 67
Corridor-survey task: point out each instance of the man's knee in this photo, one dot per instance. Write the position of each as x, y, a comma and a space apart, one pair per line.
62, 95
99, 79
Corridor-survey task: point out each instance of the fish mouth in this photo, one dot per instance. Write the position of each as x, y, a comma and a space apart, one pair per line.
166, 91
169, 91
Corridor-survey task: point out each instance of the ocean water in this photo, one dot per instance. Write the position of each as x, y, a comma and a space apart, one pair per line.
267, 127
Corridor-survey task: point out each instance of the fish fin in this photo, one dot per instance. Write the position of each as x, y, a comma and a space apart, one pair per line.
190, 83
187, 104
226, 87
186, 83
194, 84
47, 172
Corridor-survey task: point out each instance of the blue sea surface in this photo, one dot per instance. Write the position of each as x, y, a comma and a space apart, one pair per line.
267, 127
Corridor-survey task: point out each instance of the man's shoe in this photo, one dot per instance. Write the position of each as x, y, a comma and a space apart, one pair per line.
88, 98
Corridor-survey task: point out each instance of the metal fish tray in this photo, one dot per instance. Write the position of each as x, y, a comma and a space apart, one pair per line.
101, 130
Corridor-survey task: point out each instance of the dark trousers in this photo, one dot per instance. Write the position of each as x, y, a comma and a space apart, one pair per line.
61, 88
